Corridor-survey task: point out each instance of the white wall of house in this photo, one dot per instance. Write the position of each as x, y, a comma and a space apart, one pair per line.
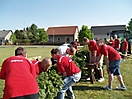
8, 36
76, 35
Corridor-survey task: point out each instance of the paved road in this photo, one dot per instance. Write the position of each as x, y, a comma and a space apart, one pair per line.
31, 46
28, 45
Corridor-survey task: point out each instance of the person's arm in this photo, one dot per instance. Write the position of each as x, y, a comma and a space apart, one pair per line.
119, 46
32, 68
94, 55
98, 61
61, 70
126, 47
107, 63
64, 74
3, 70
90, 57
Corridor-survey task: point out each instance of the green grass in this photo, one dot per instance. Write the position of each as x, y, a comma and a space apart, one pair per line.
82, 89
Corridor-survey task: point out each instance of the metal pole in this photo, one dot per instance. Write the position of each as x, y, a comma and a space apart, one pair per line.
53, 37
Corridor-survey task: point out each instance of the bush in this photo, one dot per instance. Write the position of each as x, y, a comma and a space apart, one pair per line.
81, 58
49, 84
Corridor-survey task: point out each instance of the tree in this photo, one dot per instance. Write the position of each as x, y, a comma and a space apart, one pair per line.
85, 32
130, 25
34, 31
19, 35
29, 33
43, 37
13, 38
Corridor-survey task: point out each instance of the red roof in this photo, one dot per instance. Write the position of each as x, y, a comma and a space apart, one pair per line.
64, 30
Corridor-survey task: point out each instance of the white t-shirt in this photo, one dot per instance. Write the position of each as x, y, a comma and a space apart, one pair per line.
62, 50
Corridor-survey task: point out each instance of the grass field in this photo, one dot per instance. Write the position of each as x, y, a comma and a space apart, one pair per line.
83, 89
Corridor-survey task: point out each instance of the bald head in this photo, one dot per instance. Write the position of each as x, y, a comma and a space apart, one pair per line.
71, 51
115, 36
46, 63
85, 40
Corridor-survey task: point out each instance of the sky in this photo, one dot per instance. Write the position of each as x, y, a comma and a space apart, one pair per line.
17, 14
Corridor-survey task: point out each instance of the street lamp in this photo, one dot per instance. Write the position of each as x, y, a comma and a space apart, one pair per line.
53, 37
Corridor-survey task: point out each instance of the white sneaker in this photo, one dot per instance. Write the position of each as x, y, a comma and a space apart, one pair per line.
121, 88
107, 88
88, 78
101, 79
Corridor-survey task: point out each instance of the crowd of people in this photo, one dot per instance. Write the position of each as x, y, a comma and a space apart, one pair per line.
20, 73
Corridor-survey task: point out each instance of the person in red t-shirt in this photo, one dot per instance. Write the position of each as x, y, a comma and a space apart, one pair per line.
92, 48
113, 60
42, 66
124, 48
94, 56
70, 73
20, 77
116, 43
111, 42
66, 51
75, 44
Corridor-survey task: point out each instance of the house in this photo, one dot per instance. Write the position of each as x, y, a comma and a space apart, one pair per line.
101, 31
5, 36
63, 34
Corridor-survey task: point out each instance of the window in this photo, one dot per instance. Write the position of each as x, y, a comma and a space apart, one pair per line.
50, 39
67, 39
58, 39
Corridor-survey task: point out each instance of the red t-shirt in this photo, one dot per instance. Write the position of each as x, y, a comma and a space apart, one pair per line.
38, 68
98, 51
65, 64
92, 46
112, 43
124, 45
109, 51
76, 45
116, 43
20, 77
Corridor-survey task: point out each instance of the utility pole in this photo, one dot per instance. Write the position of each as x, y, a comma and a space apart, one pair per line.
53, 37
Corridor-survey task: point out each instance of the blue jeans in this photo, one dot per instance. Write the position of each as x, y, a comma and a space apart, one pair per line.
68, 82
114, 67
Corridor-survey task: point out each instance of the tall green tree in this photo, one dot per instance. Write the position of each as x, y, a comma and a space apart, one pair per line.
19, 35
85, 32
130, 25
13, 38
29, 33
43, 37
34, 31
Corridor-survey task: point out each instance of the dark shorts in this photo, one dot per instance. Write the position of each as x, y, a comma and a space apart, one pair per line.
32, 96
114, 67
123, 52
116, 49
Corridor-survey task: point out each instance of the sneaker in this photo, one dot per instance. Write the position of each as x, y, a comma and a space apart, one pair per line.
107, 88
121, 88
88, 78
101, 79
